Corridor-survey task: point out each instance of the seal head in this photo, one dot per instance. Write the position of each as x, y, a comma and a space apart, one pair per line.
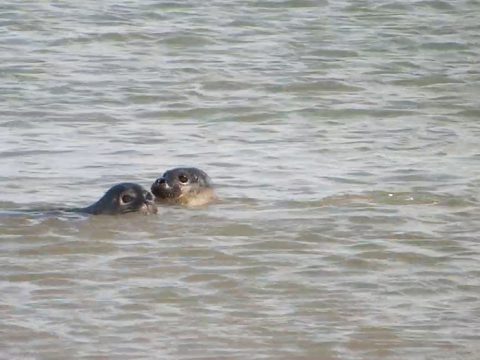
122, 199
185, 186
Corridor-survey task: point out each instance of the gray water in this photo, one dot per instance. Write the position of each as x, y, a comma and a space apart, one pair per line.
343, 139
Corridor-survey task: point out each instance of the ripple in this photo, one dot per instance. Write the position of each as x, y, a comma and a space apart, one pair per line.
329, 86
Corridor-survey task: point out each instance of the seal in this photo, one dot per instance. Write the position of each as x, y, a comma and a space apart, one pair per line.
187, 186
121, 199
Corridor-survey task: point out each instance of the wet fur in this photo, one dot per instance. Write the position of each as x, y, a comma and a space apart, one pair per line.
197, 199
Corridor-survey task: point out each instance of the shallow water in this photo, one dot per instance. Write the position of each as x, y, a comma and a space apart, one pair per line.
342, 137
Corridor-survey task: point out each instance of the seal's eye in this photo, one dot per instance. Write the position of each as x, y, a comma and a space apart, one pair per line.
127, 198
183, 178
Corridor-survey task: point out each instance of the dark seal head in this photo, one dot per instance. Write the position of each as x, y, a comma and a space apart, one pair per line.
123, 198
184, 186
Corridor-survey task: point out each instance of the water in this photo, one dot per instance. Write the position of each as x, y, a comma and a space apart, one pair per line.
343, 140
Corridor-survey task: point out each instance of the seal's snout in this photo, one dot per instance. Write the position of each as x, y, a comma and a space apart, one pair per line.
148, 198
159, 186
161, 182
148, 206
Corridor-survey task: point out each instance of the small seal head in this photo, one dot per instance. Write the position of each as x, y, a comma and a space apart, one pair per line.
124, 198
184, 186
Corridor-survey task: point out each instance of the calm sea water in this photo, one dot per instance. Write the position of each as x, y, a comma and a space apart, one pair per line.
343, 138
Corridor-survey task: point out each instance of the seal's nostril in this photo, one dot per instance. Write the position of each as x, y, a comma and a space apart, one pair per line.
161, 181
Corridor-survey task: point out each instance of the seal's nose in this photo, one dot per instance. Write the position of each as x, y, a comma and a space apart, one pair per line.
148, 197
162, 182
